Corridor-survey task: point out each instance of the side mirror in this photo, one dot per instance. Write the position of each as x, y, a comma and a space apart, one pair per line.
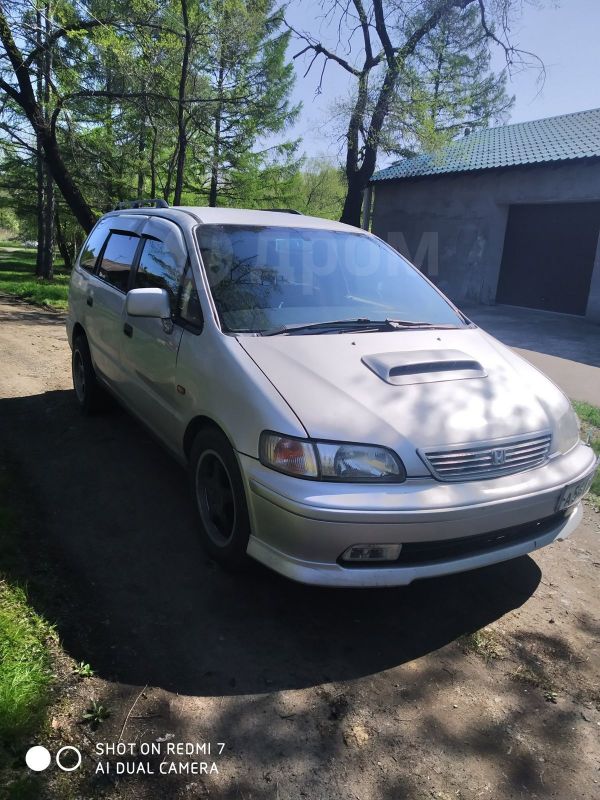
148, 303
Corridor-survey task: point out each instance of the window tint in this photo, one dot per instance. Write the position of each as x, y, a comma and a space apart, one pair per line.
92, 247
117, 259
160, 268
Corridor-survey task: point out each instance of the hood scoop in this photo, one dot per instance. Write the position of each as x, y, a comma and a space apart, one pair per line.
423, 366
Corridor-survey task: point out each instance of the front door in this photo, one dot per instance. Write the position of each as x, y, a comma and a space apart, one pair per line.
149, 346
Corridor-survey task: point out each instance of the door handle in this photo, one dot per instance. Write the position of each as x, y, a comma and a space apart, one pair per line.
90, 300
128, 330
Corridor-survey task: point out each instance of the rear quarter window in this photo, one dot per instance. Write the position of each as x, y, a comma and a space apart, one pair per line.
93, 245
117, 259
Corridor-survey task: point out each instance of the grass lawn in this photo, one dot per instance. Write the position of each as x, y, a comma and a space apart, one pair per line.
24, 665
27, 646
17, 276
25, 660
590, 427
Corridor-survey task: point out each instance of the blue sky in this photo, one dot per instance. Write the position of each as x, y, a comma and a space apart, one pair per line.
564, 35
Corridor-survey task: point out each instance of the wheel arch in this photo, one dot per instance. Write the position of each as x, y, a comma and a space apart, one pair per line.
78, 330
197, 424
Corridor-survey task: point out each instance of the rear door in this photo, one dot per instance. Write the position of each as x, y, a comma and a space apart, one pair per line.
149, 346
83, 282
108, 299
106, 292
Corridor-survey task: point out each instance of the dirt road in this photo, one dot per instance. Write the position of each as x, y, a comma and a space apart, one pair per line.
383, 695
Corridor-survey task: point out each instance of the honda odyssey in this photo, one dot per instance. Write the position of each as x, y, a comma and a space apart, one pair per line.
341, 421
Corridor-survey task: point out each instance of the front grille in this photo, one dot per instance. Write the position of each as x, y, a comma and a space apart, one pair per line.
504, 457
446, 550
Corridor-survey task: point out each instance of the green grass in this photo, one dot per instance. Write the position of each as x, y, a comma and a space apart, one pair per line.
25, 662
588, 414
17, 276
25, 671
30, 656
590, 429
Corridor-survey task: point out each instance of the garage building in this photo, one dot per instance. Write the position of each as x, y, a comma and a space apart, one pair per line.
506, 215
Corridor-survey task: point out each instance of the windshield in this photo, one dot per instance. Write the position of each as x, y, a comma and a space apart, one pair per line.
268, 277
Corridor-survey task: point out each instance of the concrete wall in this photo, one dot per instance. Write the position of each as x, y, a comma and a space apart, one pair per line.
453, 226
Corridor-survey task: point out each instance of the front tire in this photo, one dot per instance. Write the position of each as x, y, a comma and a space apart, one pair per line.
90, 395
219, 498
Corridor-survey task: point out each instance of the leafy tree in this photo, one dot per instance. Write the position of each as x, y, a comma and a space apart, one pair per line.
447, 89
321, 189
390, 34
138, 98
250, 82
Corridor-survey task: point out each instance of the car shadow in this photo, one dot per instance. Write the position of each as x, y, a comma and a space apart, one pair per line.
136, 596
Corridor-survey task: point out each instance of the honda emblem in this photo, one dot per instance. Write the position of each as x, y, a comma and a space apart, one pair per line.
498, 457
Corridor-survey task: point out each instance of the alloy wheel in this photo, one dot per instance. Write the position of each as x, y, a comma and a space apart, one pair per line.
215, 498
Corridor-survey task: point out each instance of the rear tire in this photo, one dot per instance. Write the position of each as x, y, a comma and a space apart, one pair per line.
90, 395
219, 498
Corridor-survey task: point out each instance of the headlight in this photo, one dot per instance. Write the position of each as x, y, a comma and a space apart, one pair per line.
330, 461
566, 431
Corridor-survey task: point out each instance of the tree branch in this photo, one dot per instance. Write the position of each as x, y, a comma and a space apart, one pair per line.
318, 49
58, 34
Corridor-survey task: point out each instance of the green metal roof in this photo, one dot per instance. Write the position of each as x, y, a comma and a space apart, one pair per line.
543, 141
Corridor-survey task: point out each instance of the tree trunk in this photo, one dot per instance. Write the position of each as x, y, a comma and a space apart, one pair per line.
47, 251
64, 180
170, 171
39, 209
49, 212
39, 166
354, 173
63, 247
141, 149
25, 97
153, 164
351, 213
359, 176
181, 131
216, 149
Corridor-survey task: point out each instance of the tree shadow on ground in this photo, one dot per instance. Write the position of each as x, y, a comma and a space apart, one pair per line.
27, 316
139, 600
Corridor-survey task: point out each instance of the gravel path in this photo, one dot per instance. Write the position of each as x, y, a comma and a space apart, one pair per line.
383, 694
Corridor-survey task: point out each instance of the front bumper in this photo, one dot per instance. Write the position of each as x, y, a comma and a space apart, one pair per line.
300, 528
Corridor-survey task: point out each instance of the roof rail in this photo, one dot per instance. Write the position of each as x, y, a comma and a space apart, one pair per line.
156, 202
285, 210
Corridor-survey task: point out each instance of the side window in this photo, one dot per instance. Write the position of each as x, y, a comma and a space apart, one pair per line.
160, 268
189, 302
93, 246
117, 259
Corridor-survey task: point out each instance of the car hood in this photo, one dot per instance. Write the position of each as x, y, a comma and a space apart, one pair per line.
408, 389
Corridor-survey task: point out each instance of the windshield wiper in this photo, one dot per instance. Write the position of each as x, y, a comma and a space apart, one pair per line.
407, 323
360, 324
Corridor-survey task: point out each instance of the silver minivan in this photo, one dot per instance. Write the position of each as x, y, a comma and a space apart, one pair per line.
341, 421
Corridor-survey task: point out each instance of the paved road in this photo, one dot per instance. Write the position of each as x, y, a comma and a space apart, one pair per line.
318, 693
566, 348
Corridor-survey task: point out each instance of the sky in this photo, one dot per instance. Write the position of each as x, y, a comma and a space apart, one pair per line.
565, 34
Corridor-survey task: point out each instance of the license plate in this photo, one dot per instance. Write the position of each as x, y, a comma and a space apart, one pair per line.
573, 493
